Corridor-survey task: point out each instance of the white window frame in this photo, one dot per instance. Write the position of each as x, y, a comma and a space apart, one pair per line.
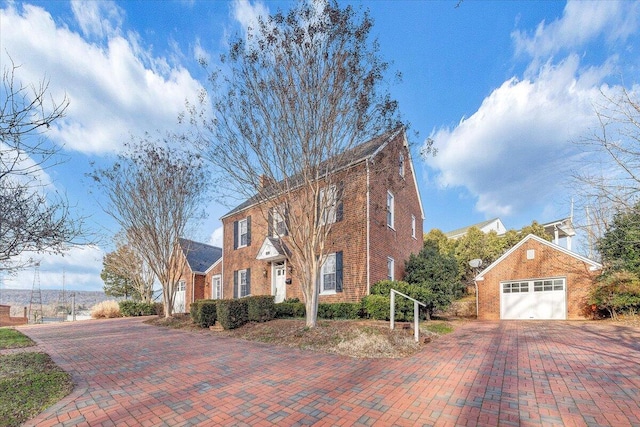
390, 210
242, 283
182, 286
278, 220
328, 200
241, 223
391, 269
401, 166
325, 274
216, 288
413, 226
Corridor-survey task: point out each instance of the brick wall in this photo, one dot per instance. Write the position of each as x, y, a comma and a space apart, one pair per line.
548, 262
348, 235
7, 320
396, 242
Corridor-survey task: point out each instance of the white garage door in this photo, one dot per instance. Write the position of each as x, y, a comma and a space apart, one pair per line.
533, 299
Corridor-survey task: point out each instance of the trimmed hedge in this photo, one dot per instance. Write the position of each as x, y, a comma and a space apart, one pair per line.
130, 308
340, 310
194, 311
403, 306
232, 313
260, 308
285, 310
208, 313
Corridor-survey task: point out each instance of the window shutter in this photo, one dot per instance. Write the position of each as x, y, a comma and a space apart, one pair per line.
286, 220
235, 234
339, 206
270, 223
249, 230
248, 282
339, 271
235, 284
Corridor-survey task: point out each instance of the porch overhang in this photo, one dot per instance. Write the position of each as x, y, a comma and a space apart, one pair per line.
272, 249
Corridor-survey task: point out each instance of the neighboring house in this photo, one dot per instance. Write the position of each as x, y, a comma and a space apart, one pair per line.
201, 277
486, 227
536, 279
376, 216
561, 229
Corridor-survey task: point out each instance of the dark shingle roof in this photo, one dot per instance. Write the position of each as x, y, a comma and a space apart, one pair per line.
357, 154
200, 256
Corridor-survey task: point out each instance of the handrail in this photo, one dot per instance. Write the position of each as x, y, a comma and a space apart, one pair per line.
392, 311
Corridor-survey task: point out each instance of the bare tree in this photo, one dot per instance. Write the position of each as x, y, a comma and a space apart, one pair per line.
125, 272
32, 216
154, 191
608, 177
296, 95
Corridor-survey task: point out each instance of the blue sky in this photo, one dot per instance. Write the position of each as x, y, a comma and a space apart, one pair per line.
502, 87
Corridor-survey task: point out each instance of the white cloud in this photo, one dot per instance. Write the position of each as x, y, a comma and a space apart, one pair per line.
581, 22
247, 14
78, 269
98, 18
517, 151
514, 152
115, 89
216, 237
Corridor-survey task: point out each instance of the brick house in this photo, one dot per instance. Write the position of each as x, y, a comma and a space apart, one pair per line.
376, 219
536, 279
201, 276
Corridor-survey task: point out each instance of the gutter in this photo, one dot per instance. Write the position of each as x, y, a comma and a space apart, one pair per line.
368, 231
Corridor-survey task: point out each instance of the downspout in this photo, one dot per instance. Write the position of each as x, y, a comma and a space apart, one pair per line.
368, 227
475, 282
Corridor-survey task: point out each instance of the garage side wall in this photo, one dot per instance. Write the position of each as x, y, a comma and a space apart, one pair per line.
547, 262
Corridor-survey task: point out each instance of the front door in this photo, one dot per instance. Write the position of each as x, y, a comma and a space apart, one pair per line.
279, 283
179, 298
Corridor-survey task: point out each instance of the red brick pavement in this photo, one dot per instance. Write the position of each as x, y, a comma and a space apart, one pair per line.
486, 373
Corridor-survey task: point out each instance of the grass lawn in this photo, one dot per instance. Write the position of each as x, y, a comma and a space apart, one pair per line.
29, 381
10, 338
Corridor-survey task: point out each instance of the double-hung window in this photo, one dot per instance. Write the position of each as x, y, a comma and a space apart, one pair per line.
243, 283
328, 275
390, 268
328, 204
413, 226
243, 233
279, 225
216, 287
390, 210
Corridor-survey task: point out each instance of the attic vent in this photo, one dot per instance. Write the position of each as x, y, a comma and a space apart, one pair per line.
531, 253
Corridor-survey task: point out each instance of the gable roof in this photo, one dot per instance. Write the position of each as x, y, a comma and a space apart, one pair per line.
462, 231
594, 265
355, 155
200, 256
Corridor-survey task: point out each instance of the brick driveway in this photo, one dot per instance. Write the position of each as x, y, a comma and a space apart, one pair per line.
485, 373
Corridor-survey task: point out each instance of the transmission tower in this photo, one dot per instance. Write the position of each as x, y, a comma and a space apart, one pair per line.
35, 305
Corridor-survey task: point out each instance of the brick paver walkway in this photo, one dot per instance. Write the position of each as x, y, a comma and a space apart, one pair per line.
486, 373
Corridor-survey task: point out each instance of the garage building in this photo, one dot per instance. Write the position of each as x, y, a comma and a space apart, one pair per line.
536, 279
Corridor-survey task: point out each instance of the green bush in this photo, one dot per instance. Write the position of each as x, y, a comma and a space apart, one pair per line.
131, 308
616, 292
404, 306
339, 310
194, 311
232, 313
289, 309
260, 308
376, 307
208, 313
